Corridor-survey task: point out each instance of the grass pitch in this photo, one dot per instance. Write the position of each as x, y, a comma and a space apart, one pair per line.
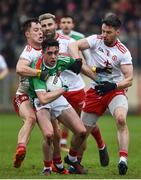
32, 165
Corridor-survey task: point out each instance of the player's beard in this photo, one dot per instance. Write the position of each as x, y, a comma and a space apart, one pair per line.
49, 36
108, 43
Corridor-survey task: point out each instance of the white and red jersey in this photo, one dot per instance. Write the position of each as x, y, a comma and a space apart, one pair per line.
74, 81
30, 54
103, 56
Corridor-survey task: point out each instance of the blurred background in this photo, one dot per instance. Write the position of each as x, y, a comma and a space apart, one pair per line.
87, 15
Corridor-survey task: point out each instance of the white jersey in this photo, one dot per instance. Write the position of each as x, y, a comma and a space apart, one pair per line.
74, 81
103, 56
77, 36
3, 64
30, 54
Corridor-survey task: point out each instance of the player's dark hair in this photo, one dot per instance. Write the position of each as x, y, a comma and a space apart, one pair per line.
68, 16
48, 43
27, 24
112, 20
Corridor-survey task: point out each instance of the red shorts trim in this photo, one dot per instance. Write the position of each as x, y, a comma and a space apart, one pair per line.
75, 98
97, 104
18, 100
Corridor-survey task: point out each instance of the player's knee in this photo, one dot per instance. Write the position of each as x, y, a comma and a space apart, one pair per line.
121, 120
49, 137
82, 134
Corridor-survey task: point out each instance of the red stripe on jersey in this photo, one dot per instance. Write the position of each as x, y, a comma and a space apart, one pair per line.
28, 48
38, 64
61, 36
99, 37
121, 47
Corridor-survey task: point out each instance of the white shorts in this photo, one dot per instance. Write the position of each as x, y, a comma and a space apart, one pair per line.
89, 119
118, 101
55, 107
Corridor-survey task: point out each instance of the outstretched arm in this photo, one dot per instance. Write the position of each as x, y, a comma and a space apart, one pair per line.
75, 49
77, 46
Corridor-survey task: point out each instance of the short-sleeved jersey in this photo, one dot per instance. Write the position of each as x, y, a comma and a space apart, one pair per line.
67, 75
30, 54
3, 64
63, 63
103, 56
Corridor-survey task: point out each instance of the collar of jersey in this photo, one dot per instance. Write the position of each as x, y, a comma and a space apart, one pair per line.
49, 66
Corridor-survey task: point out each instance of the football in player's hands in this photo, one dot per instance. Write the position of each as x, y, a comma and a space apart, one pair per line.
53, 83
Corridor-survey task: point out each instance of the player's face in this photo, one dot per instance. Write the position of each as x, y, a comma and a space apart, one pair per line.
109, 34
66, 24
49, 27
35, 34
51, 55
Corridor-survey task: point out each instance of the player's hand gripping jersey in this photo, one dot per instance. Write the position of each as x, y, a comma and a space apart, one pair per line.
67, 75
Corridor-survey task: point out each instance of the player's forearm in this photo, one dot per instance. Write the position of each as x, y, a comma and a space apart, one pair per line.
74, 50
26, 71
48, 97
125, 83
86, 70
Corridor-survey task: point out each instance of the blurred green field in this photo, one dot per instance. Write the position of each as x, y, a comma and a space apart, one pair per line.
32, 166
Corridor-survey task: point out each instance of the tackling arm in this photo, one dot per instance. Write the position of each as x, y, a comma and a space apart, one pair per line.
127, 70
75, 49
23, 68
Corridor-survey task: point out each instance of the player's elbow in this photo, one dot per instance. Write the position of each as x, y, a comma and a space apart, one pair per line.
19, 70
130, 82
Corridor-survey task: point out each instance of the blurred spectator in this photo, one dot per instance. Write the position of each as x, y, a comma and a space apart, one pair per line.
3, 68
88, 14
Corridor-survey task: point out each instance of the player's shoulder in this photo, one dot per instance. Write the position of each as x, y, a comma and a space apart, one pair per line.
121, 47
28, 49
64, 37
77, 34
95, 39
